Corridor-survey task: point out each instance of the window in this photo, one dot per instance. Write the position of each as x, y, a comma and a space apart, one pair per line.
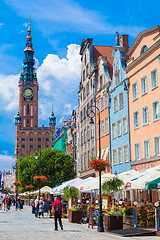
126, 153
101, 81
88, 132
87, 70
154, 79
97, 130
121, 100
134, 91
85, 60
101, 103
84, 93
31, 139
145, 115
31, 146
85, 135
81, 116
88, 156
82, 162
27, 120
102, 128
124, 125
117, 78
23, 146
84, 113
144, 48
106, 100
106, 126
98, 106
119, 155
155, 110
113, 130
39, 139
136, 119
87, 88
81, 137
137, 151
146, 148
47, 146
27, 109
83, 75
157, 145
119, 128
85, 161
47, 139
115, 104
114, 157
143, 85
23, 139
91, 83
39, 146
92, 132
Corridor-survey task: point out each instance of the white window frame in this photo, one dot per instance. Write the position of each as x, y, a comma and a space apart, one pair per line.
101, 81
106, 100
154, 120
119, 128
134, 97
102, 128
102, 104
115, 106
119, 160
124, 132
113, 130
146, 140
121, 106
138, 143
144, 124
106, 125
142, 79
114, 159
155, 153
135, 127
153, 70
125, 150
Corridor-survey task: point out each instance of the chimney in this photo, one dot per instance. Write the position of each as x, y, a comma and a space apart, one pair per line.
124, 44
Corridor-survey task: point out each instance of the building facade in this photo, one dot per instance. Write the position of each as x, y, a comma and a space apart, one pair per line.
143, 70
118, 109
29, 137
105, 71
74, 137
59, 141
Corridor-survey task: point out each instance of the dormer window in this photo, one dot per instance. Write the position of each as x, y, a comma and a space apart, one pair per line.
117, 77
144, 48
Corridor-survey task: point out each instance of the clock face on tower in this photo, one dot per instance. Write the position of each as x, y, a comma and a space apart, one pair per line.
28, 92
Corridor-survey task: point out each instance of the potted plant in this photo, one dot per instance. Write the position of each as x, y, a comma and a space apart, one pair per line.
113, 219
74, 214
98, 164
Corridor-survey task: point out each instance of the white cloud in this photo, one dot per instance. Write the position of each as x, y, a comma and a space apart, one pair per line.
25, 24
69, 16
6, 162
22, 31
1, 24
58, 85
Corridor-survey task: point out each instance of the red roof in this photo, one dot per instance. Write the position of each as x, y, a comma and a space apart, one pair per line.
105, 51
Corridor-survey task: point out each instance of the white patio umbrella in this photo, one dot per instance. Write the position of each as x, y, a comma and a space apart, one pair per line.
74, 183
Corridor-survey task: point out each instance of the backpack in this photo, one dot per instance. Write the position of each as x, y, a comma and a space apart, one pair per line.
57, 209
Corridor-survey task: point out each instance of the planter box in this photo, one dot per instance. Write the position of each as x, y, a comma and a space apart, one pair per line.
74, 216
113, 222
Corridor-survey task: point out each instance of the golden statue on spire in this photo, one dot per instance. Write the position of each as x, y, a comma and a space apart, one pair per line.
29, 38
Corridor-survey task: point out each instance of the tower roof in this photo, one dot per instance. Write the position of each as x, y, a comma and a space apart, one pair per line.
29, 39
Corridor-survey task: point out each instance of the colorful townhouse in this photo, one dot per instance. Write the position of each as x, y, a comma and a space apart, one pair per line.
143, 71
118, 109
105, 71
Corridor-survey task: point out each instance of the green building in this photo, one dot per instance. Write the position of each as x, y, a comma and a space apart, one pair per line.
59, 141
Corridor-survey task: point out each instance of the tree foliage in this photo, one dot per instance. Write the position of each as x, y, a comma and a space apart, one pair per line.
55, 165
70, 193
113, 184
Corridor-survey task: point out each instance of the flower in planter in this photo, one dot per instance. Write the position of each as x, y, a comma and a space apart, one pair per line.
41, 178
17, 184
29, 187
98, 164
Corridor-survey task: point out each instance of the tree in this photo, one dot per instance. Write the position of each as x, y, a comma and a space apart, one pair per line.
114, 185
6, 190
70, 193
55, 165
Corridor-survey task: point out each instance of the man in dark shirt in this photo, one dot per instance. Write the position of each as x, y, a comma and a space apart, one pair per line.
57, 206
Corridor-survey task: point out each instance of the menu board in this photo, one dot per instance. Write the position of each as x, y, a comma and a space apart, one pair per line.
104, 203
93, 218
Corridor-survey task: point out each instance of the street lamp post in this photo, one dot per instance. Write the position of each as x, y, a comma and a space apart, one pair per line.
36, 157
91, 115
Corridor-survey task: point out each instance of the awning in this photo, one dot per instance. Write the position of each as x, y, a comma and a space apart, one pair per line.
155, 184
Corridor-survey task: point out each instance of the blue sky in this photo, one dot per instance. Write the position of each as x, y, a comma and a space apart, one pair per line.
58, 28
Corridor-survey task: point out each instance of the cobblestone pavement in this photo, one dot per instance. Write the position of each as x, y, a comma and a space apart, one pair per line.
24, 226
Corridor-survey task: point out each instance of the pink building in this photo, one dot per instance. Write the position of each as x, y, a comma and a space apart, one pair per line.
143, 69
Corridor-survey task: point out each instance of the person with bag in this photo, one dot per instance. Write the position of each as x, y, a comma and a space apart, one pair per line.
36, 207
57, 206
41, 207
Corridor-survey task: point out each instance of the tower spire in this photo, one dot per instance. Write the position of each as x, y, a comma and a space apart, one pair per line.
29, 38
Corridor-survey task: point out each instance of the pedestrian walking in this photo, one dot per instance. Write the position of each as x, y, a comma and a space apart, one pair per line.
57, 206
50, 207
36, 207
41, 207
6, 202
1, 199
